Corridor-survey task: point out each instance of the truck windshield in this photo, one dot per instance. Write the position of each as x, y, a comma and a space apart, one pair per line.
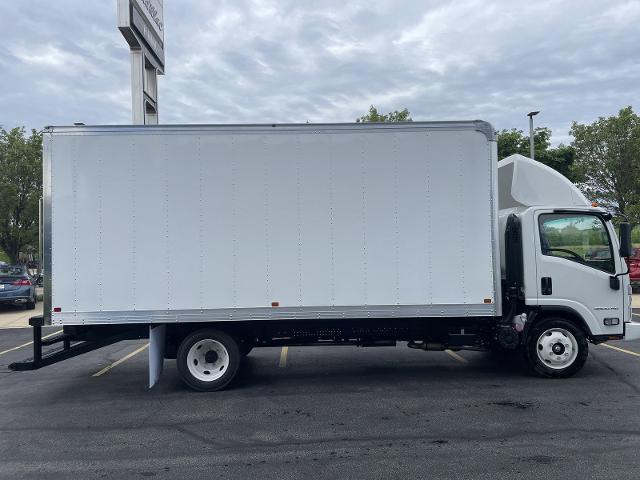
581, 238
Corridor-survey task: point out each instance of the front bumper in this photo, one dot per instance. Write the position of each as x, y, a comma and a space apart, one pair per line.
17, 296
14, 300
631, 331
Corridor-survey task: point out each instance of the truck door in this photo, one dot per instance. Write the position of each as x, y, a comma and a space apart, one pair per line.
575, 260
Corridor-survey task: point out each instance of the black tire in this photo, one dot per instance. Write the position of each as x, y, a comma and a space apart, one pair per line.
233, 353
532, 347
31, 305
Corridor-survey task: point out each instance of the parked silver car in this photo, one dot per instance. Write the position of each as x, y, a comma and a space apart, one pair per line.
16, 286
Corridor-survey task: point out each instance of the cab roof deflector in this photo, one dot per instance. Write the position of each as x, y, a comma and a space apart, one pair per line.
523, 182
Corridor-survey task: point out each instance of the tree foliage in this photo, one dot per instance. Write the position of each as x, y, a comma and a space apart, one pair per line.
573, 233
20, 190
395, 116
515, 141
607, 161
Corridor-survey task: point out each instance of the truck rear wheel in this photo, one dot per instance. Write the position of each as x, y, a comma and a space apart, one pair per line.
208, 360
556, 348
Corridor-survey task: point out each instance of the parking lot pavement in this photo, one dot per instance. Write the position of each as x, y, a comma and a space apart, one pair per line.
16, 316
321, 412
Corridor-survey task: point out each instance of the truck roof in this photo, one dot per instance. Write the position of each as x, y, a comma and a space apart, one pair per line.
479, 125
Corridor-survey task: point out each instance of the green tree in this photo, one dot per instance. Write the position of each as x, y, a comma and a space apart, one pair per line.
395, 116
20, 190
515, 141
560, 159
607, 162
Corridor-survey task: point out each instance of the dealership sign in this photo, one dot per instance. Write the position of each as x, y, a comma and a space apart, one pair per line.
153, 10
142, 25
141, 22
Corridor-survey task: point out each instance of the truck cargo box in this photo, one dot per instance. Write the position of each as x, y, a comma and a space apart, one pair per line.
160, 224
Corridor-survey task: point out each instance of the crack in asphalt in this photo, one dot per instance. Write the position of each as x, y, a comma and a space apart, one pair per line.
618, 375
417, 437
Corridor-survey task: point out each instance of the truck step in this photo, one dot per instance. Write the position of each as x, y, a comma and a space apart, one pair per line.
63, 352
56, 339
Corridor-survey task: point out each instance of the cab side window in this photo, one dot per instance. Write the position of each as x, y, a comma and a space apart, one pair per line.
578, 238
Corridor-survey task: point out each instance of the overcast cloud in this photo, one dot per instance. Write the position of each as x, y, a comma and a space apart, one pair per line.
326, 61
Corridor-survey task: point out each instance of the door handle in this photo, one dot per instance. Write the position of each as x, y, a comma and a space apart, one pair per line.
546, 286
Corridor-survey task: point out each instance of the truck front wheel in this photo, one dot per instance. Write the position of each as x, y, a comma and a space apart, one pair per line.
208, 360
556, 348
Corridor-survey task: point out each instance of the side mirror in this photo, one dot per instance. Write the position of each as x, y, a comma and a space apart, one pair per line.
625, 239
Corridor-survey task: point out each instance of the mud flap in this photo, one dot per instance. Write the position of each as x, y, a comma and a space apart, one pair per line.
157, 335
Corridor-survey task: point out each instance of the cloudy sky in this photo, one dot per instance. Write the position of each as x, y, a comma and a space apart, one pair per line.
240, 61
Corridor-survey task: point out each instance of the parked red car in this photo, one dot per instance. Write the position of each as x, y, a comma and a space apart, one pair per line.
634, 267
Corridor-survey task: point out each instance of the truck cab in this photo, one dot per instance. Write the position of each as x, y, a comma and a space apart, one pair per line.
573, 273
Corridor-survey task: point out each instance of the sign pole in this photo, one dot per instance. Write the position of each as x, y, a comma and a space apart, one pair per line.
137, 87
141, 24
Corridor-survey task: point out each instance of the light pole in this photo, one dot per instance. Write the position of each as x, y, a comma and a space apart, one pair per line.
531, 147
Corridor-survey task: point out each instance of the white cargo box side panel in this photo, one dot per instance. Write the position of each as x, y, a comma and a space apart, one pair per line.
216, 223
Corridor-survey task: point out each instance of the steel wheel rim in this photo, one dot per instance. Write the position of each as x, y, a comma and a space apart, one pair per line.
557, 348
208, 360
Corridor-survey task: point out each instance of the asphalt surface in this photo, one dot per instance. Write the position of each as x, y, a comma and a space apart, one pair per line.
321, 412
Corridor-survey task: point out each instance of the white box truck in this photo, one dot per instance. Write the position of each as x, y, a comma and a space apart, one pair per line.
213, 240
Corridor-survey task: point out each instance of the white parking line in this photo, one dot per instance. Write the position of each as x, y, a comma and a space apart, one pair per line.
29, 343
118, 362
283, 357
454, 355
635, 354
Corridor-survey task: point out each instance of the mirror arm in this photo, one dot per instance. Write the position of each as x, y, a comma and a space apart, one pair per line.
621, 274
